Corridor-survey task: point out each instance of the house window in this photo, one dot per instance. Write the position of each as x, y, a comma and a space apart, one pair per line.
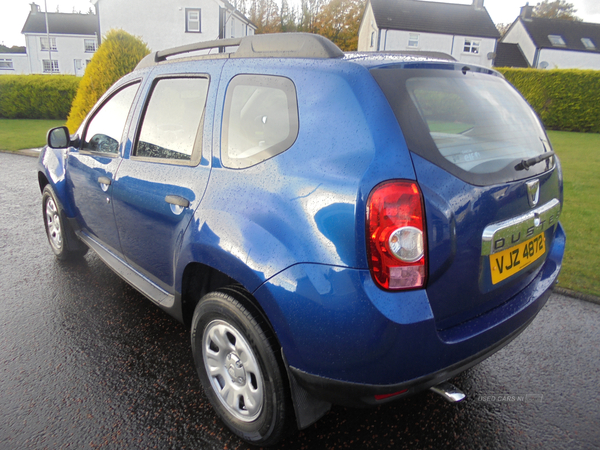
90, 45
413, 40
192, 20
50, 66
556, 40
45, 46
588, 43
372, 39
472, 46
6, 64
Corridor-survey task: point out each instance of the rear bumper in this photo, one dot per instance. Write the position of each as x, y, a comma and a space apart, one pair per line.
346, 341
360, 395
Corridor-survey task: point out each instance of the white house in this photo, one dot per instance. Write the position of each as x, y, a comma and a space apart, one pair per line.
66, 47
555, 43
14, 64
465, 32
170, 24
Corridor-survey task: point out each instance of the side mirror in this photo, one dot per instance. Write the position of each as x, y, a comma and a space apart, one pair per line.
59, 138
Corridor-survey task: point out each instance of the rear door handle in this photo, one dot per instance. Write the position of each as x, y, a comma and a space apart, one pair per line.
177, 200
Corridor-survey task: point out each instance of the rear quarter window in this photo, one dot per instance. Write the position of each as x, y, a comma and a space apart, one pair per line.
260, 119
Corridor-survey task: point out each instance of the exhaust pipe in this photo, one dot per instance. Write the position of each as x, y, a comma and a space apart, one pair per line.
449, 392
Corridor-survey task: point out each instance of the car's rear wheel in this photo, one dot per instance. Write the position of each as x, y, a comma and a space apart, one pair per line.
61, 237
240, 371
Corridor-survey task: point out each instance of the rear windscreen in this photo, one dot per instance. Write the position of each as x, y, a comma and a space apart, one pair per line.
474, 125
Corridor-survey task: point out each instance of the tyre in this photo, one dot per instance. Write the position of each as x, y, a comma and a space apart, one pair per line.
241, 372
62, 239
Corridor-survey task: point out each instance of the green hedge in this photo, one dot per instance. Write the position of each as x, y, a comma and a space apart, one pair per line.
567, 100
37, 96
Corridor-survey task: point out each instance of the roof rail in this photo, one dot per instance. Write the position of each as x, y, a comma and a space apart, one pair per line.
278, 45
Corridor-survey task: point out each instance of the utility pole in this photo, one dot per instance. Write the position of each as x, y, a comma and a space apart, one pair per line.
48, 36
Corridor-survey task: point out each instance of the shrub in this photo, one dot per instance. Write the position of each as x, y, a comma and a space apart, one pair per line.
567, 100
37, 96
118, 55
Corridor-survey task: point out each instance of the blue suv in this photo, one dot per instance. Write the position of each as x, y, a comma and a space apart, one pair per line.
334, 228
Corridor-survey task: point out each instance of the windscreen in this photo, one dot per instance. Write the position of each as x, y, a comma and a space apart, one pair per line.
475, 125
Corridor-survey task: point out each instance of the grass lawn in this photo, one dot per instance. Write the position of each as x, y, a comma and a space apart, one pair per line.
579, 154
17, 134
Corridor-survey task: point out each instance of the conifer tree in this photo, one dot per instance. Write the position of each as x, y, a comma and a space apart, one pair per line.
118, 55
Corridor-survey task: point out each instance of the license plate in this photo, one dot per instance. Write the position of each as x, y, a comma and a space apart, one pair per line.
506, 263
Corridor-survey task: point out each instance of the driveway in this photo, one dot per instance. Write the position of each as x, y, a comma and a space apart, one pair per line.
87, 362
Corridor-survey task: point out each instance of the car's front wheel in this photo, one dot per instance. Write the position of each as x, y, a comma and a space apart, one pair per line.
241, 374
61, 237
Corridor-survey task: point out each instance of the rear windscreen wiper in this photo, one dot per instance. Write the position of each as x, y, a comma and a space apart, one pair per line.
527, 163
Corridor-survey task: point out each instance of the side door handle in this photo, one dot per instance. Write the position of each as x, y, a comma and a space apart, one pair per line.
104, 183
177, 200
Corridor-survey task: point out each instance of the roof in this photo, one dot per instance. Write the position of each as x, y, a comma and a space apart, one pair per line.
509, 55
238, 12
571, 31
433, 17
61, 23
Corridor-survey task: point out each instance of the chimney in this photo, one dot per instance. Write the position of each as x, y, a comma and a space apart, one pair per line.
34, 8
526, 12
478, 4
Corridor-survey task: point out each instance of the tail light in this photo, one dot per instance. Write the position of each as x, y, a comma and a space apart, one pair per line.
397, 240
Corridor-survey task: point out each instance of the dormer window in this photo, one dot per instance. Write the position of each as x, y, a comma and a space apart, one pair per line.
588, 43
557, 40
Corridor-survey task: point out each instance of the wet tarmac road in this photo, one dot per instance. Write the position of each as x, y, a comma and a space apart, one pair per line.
87, 362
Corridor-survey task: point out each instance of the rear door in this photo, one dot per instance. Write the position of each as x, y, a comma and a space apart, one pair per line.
490, 221
161, 182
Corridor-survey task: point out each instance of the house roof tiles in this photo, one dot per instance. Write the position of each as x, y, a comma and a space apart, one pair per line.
61, 23
509, 55
433, 17
571, 31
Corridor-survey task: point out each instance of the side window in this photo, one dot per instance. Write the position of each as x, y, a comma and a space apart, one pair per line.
171, 123
260, 119
103, 133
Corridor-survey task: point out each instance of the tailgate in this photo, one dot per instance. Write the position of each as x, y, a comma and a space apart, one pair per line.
486, 243
492, 186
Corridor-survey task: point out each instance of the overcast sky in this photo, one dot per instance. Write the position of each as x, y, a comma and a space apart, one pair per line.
14, 13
